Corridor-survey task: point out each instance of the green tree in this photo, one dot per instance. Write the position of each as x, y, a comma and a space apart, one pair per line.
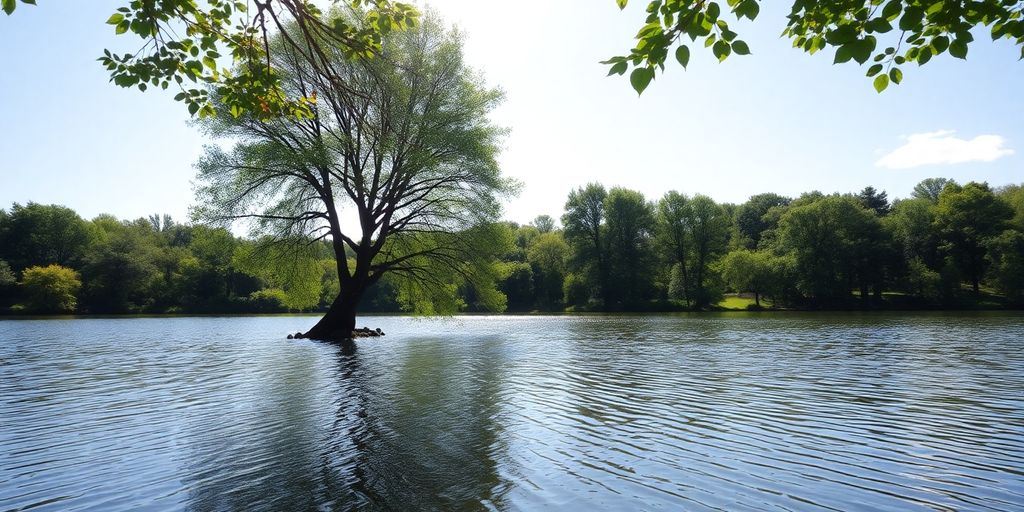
544, 223
1006, 264
911, 223
929, 189
673, 234
889, 33
924, 281
757, 272
709, 238
583, 223
119, 270
7, 277
833, 241
518, 285
407, 146
548, 256
1014, 196
965, 218
36, 234
752, 219
874, 200
295, 273
630, 226
50, 289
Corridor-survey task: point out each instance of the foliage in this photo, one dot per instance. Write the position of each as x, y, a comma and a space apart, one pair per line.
874, 200
294, 270
50, 289
924, 281
548, 256
544, 223
583, 223
629, 226
518, 286
7, 277
119, 270
929, 189
407, 147
752, 219
815, 252
757, 272
36, 234
709, 231
270, 300
1013, 195
185, 44
965, 217
889, 33
833, 241
1006, 264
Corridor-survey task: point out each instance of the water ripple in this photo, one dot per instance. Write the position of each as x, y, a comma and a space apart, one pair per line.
707, 412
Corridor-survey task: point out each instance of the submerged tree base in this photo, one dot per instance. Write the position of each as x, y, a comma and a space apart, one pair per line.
339, 336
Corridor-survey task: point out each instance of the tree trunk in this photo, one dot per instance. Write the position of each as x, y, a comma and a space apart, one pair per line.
757, 299
340, 320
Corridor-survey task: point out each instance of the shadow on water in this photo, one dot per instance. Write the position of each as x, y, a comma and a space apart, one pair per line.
359, 433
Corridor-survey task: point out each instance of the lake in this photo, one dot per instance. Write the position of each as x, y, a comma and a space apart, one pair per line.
737, 411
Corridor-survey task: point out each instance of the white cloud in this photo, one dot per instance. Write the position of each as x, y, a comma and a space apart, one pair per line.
942, 147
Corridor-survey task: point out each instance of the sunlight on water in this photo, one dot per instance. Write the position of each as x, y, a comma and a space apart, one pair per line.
729, 412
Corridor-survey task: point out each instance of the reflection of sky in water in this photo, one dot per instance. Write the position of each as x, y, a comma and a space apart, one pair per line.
783, 411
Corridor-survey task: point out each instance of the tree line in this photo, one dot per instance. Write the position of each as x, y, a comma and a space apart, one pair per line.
948, 245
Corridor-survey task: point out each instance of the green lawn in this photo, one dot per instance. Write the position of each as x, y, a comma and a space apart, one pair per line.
734, 302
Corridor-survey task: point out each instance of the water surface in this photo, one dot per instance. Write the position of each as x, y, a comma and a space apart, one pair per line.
706, 412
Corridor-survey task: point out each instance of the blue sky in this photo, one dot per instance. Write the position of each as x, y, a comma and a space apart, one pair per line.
776, 121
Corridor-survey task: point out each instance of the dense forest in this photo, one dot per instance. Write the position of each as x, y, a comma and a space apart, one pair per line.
947, 246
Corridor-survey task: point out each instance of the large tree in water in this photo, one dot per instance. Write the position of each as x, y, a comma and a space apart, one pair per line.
396, 169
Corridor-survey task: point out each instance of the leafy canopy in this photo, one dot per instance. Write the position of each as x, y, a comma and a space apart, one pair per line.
224, 46
888, 33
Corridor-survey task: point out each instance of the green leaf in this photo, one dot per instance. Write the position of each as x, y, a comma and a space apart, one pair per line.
618, 68
892, 9
958, 48
640, 78
8, 6
874, 70
683, 55
841, 35
896, 75
842, 55
121, 27
879, 25
740, 47
748, 8
714, 11
881, 82
721, 49
861, 49
926, 55
193, 108
115, 18
940, 44
622, 3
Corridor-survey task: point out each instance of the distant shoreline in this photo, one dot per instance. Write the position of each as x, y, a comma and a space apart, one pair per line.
85, 316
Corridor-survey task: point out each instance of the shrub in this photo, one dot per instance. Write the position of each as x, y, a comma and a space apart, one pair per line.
270, 300
51, 289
